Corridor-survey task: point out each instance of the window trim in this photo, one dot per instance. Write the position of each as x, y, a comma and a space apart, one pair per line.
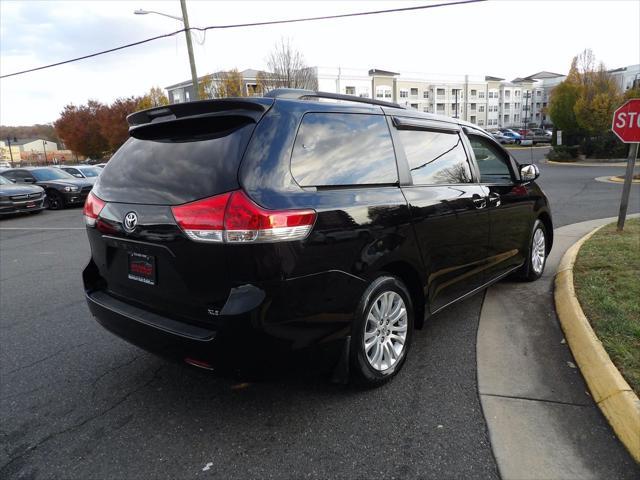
404, 170
468, 133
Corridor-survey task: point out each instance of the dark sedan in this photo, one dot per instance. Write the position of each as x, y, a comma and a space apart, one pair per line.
62, 189
20, 198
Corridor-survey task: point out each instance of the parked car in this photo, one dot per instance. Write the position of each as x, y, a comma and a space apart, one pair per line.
502, 138
62, 189
287, 221
517, 138
5, 165
82, 171
20, 198
537, 135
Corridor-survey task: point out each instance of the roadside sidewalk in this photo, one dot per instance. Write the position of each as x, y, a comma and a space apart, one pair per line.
542, 422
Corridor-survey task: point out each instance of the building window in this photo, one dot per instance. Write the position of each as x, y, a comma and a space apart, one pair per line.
481, 95
414, 92
186, 95
506, 119
350, 90
507, 94
414, 105
383, 91
440, 107
481, 108
481, 123
507, 106
538, 105
473, 119
474, 93
440, 92
538, 93
425, 94
404, 93
517, 93
516, 118
473, 106
425, 109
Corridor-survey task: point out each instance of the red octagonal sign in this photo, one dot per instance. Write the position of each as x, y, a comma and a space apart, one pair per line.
626, 121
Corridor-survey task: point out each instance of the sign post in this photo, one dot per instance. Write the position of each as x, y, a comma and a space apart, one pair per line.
626, 125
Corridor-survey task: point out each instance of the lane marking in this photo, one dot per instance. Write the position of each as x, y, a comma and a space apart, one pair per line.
42, 228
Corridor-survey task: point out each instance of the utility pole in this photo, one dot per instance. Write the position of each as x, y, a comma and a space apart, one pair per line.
44, 149
192, 61
11, 151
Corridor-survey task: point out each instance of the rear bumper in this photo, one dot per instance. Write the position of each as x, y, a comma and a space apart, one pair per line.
149, 331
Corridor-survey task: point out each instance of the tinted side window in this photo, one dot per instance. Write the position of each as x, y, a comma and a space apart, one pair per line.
343, 149
493, 163
435, 157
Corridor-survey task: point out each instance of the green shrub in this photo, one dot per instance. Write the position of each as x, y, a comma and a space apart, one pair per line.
563, 153
605, 146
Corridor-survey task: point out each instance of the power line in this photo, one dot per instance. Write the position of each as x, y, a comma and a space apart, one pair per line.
241, 25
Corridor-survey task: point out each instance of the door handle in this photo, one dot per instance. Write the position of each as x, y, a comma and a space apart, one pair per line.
478, 201
494, 200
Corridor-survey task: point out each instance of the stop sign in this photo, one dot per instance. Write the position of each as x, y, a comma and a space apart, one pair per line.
626, 121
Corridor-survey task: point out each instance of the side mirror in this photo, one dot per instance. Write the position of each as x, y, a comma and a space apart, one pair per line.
529, 172
77, 175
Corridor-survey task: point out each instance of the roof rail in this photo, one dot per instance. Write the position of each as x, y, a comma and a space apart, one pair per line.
296, 93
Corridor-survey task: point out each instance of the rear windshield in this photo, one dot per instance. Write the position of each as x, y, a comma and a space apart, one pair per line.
176, 170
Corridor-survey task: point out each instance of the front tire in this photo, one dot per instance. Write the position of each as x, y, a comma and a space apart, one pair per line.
54, 200
536, 254
382, 332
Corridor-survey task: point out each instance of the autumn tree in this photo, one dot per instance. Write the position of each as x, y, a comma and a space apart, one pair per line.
78, 127
112, 120
153, 98
287, 69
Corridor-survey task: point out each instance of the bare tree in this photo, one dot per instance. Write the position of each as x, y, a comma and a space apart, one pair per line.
287, 69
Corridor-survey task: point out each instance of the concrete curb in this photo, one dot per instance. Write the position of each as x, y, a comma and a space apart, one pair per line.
588, 164
619, 404
621, 180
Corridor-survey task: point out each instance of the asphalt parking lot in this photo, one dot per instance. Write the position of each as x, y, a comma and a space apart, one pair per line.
77, 402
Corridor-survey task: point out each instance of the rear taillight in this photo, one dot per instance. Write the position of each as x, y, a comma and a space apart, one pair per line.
234, 218
92, 208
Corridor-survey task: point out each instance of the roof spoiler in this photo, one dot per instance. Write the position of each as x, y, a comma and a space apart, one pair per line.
252, 108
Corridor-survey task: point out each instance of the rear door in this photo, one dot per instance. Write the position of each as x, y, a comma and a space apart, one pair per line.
448, 208
509, 205
141, 254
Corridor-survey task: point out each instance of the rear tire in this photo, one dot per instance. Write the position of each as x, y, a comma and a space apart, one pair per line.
536, 254
382, 332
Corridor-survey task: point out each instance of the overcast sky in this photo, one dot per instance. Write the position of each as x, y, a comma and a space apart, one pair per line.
501, 38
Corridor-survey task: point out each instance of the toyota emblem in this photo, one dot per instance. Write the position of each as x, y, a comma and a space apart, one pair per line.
130, 221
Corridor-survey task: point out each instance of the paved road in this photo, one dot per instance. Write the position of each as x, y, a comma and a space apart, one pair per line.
76, 402
574, 194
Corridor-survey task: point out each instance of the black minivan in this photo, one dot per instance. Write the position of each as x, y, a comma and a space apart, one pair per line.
303, 220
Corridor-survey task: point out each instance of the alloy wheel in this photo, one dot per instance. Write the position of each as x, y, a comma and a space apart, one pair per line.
385, 332
538, 251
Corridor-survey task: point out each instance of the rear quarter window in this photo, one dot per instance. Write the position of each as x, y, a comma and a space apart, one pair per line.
333, 149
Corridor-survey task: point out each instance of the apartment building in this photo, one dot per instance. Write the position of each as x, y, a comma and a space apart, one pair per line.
490, 102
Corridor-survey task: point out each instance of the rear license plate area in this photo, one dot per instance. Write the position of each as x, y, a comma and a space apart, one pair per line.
142, 268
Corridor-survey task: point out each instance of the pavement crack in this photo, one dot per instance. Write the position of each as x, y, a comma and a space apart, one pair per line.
23, 367
516, 397
51, 436
111, 370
